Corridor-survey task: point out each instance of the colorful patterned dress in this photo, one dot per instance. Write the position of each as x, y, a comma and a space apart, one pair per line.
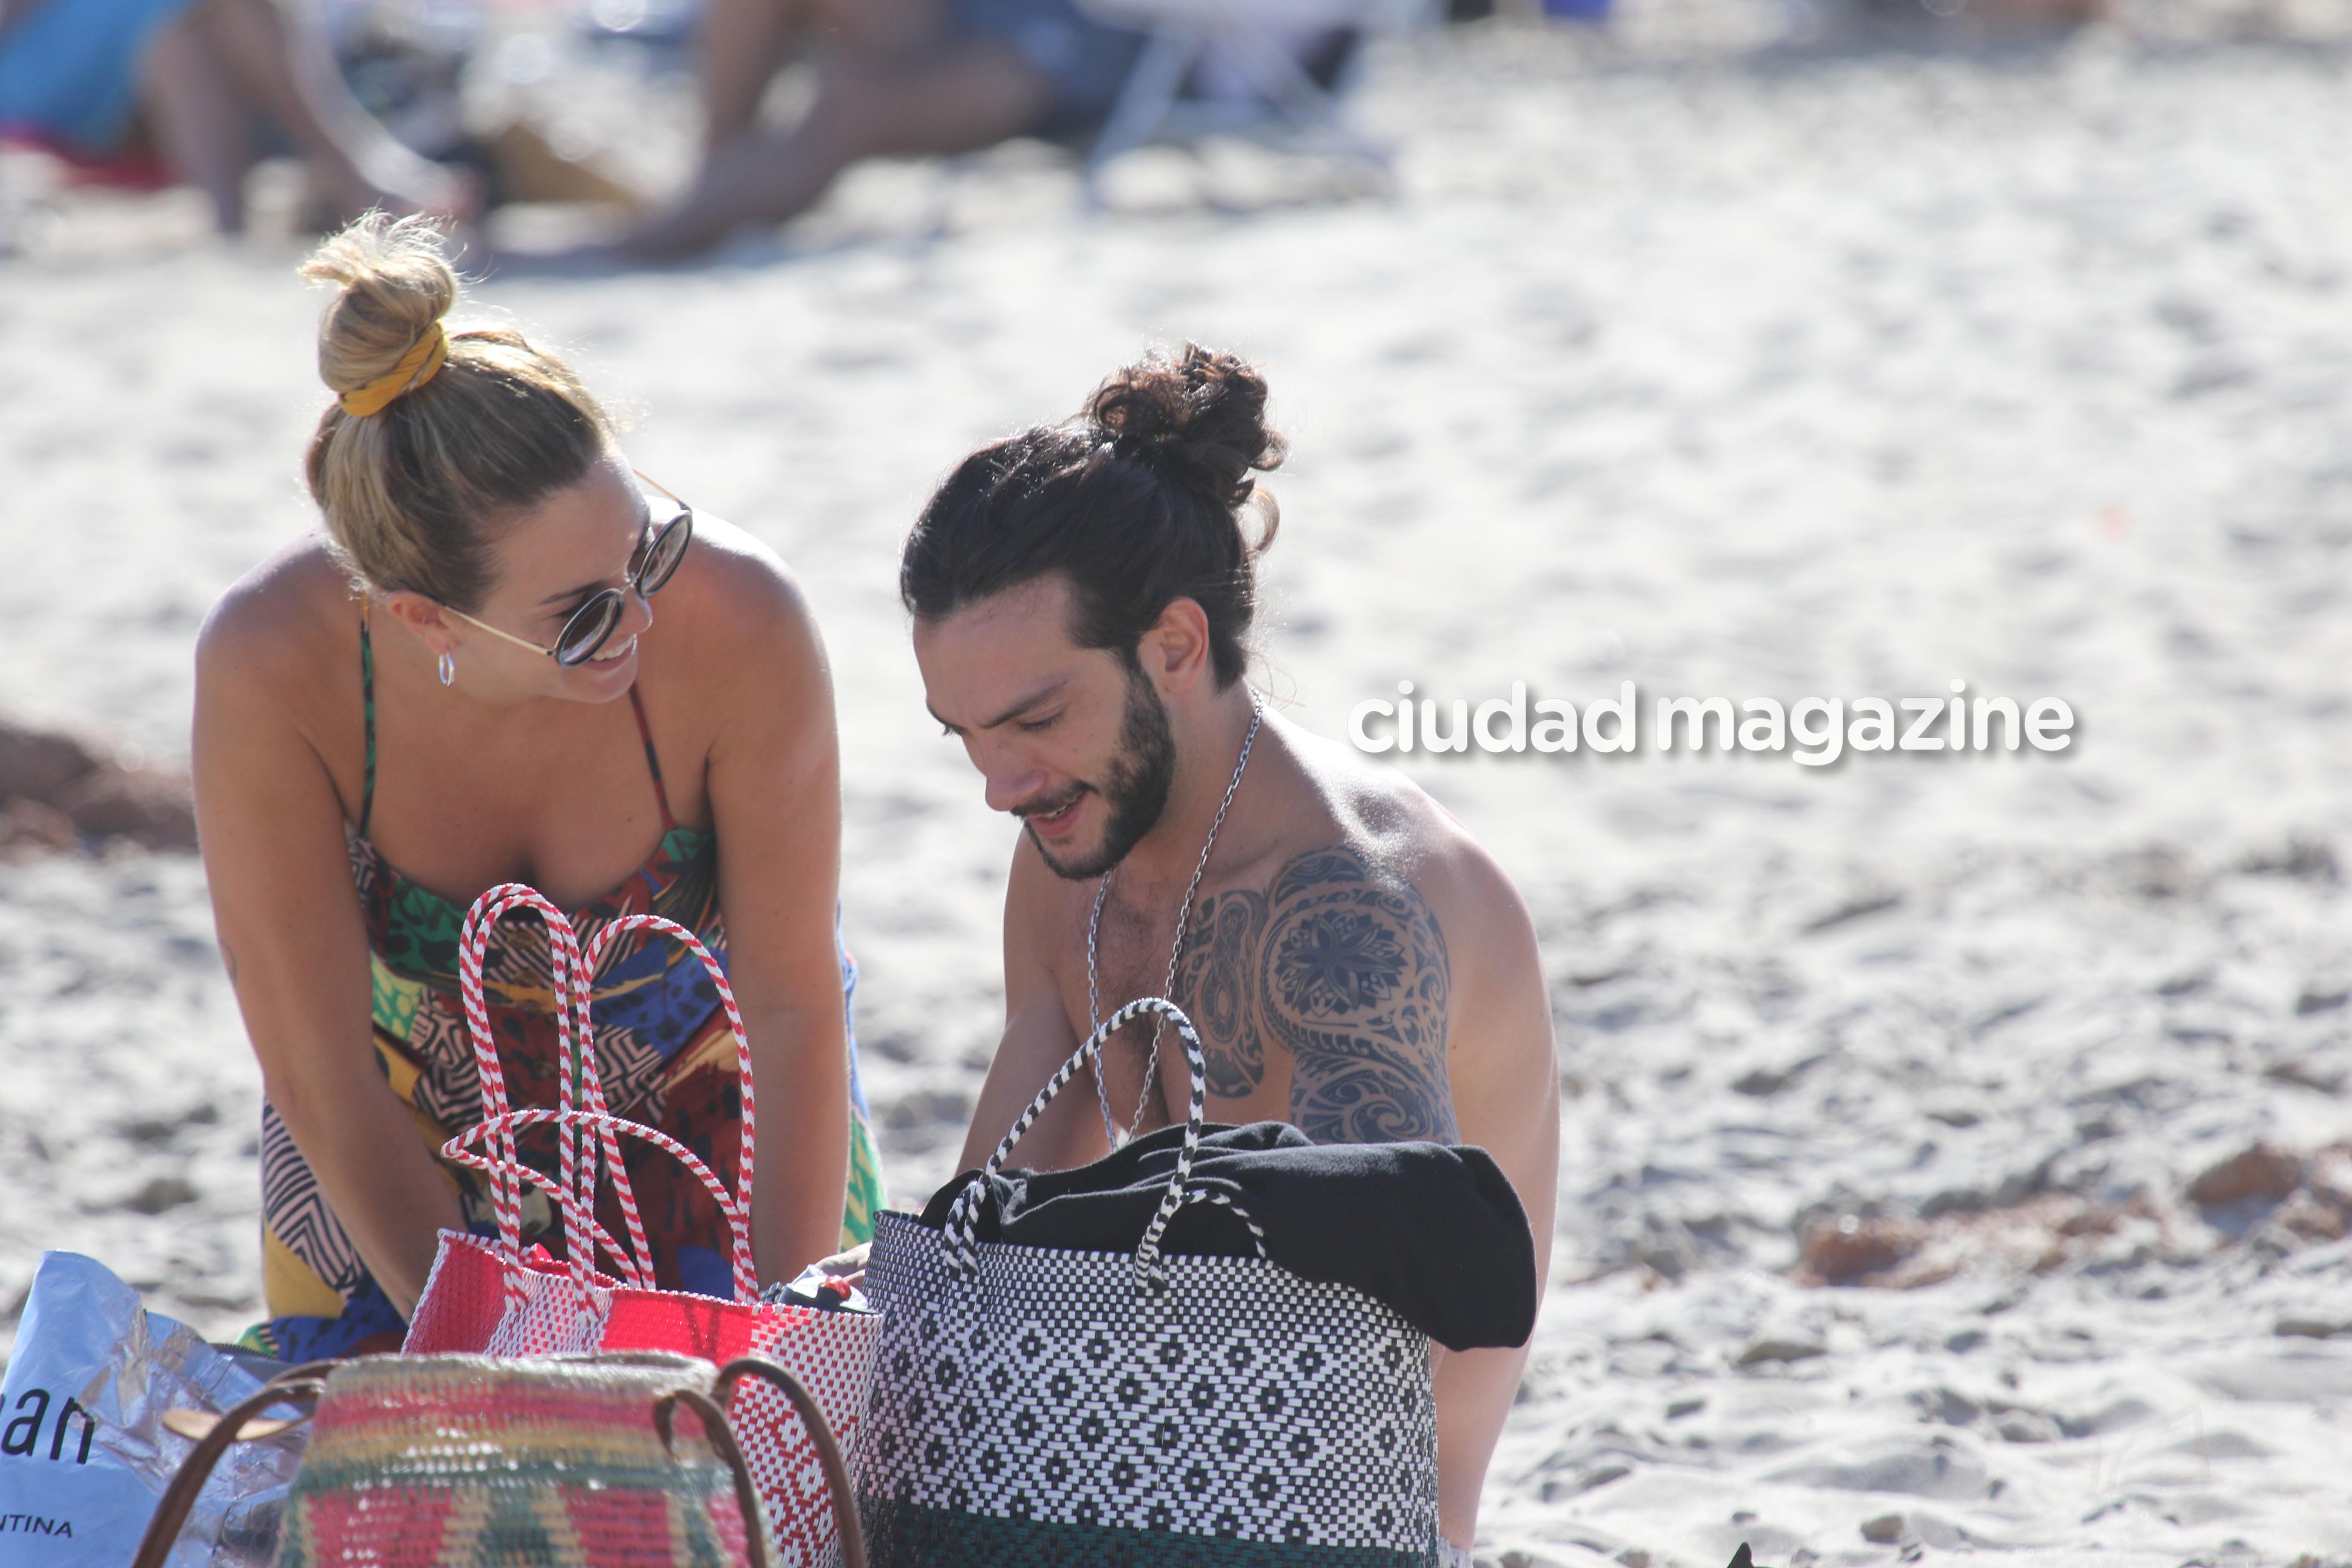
667, 1056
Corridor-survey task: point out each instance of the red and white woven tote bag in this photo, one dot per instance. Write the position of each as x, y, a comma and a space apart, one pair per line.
488, 1297
491, 1297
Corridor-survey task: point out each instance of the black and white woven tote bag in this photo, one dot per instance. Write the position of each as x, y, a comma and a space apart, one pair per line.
1035, 1407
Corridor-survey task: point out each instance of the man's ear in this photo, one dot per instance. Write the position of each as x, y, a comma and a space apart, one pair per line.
424, 619
1174, 650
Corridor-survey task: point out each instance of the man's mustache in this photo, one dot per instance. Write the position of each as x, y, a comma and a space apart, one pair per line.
1049, 805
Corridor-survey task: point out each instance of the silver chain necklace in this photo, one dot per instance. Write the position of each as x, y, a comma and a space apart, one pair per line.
1183, 912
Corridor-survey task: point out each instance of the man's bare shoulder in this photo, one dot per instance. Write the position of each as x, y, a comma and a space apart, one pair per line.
1394, 825
1407, 929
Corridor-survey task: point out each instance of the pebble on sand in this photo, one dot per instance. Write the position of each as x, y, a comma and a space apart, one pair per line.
57, 789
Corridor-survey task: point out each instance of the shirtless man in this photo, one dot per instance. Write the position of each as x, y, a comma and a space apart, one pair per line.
1356, 965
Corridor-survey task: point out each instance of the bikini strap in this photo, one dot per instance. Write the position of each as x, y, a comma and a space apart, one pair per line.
367, 706
653, 762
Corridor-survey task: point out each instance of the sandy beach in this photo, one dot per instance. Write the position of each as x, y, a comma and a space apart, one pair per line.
1907, 1200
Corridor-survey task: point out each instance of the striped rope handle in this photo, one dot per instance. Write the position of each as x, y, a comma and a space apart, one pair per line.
747, 1144
506, 1175
736, 1215
577, 1081
459, 1150
637, 1264
583, 1235
1257, 1236
961, 1240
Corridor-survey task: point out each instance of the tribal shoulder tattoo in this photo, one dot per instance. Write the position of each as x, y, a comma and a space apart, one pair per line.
1341, 965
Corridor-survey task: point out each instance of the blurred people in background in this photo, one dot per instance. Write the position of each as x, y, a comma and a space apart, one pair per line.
899, 76
1900, 20
91, 79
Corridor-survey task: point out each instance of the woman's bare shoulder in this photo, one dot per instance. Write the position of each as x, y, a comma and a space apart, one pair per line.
734, 653
280, 613
733, 607
277, 693
739, 584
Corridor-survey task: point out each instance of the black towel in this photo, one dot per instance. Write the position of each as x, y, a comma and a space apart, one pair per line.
1432, 1230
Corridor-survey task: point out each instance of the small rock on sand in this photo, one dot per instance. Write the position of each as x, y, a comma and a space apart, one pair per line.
39, 765
1886, 1529
1764, 1352
163, 1192
2259, 1172
36, 827
56, 787
2313, 1327
1853, 1246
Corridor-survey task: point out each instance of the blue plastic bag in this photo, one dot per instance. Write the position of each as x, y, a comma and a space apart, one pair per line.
84, 1457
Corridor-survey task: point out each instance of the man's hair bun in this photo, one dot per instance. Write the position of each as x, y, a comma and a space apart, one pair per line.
392, 284
1137, 500
1198, 416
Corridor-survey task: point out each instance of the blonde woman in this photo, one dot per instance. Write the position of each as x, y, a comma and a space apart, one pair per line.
463, 683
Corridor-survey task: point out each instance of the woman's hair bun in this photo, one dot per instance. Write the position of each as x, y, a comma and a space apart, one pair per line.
415, 491
394, 283
1198, 416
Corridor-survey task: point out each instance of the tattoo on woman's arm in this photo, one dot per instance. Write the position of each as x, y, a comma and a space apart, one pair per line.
1343, 965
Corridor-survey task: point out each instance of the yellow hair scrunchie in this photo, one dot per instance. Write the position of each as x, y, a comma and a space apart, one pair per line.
420, 364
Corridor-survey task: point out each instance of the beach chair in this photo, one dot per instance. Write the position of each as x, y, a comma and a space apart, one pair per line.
1250, 48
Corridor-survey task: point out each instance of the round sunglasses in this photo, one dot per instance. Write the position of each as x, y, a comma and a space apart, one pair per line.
587, 628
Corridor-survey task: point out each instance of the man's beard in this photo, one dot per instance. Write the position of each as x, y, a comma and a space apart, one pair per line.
1134, 787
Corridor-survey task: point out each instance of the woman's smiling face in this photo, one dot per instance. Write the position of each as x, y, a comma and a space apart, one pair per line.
578, 542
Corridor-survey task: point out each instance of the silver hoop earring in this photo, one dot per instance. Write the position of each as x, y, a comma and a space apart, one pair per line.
448, 668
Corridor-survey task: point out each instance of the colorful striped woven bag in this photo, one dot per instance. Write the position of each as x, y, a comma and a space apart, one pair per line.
469, 1462
489, 1297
